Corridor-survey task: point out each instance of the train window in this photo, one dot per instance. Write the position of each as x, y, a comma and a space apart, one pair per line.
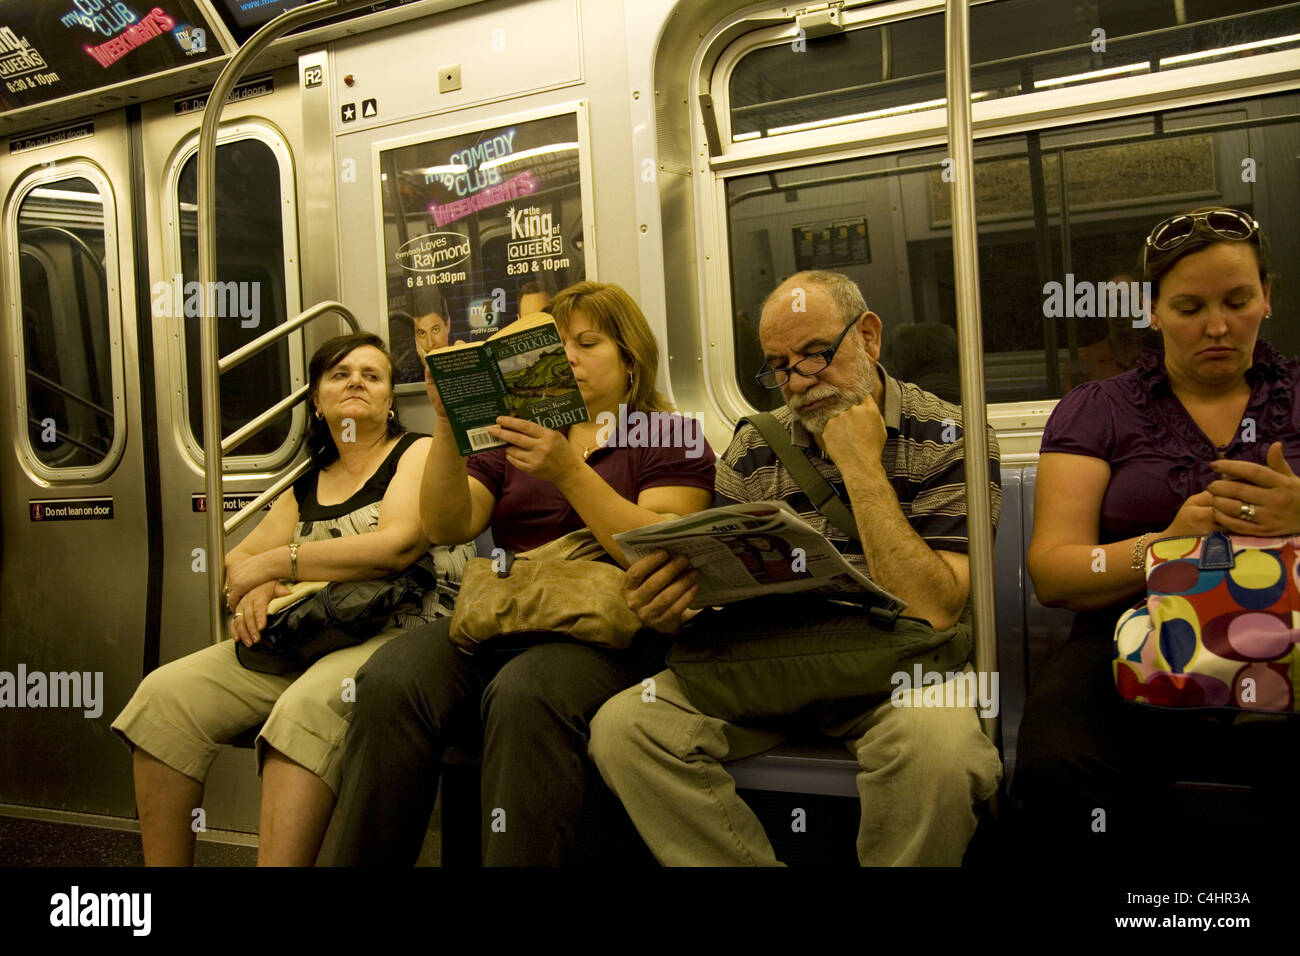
861, 74
1069, 206
69, 324
253, 216
1017, 47
842, 167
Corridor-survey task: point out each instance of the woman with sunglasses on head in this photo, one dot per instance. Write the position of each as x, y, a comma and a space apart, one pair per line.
1203, 435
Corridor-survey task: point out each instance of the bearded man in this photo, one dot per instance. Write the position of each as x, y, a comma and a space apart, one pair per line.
894, 455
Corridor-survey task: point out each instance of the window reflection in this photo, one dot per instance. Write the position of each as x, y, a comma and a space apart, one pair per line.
1017, 47
1056, 210
250, 254
65, 315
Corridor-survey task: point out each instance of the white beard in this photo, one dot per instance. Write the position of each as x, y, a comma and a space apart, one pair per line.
838, 400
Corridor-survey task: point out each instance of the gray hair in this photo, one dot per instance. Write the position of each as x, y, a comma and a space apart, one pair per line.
843, 291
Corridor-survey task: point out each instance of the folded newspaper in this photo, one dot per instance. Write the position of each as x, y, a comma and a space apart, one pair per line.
756, 549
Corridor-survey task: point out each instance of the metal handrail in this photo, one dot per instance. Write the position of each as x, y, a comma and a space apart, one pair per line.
245, 352
59, 433
76, 240
266, 497
237, 438
965, 259
207, 237
266, 339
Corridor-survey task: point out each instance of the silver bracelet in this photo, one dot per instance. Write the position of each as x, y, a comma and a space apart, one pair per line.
293, 562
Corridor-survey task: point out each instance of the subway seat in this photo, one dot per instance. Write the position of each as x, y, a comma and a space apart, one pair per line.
1027, 634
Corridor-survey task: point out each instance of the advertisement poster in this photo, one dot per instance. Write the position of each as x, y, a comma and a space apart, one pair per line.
479, 228
53, 49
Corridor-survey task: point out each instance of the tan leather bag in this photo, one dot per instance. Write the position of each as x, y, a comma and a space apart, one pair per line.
559, 588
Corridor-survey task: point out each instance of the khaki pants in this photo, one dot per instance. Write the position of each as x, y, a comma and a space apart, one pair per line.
184, 710
923, 769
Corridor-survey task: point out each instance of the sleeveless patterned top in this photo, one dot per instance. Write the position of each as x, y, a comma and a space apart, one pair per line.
360, 515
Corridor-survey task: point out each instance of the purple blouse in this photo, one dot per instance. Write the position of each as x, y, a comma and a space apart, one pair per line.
1158, 456
530, 511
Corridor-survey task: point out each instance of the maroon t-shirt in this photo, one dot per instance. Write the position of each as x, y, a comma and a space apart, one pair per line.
530, 511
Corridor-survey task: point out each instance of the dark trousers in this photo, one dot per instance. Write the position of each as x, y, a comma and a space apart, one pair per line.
529, 711
1094, 772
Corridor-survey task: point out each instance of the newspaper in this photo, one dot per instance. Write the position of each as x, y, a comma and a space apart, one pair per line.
756, 549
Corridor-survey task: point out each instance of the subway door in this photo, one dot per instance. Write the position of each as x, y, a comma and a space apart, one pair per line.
76, 539
258, 283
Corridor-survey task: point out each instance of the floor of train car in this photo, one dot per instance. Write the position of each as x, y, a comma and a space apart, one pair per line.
823, 836
28, 842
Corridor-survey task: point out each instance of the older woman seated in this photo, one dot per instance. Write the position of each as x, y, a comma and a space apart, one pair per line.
1196, 438
353, 515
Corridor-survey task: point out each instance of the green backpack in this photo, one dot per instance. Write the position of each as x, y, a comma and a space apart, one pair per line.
800, 654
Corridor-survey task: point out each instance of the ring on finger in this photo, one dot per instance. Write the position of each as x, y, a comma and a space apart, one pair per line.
1247, 512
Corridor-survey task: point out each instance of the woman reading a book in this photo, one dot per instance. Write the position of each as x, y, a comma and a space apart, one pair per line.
529, 709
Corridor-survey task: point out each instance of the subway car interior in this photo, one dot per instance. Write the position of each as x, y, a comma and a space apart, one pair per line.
375, 162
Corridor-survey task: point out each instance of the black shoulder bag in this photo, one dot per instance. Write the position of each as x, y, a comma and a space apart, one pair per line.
344, 614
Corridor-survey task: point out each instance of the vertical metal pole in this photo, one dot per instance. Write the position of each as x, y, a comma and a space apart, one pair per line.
970, 343
1043, 252
1067, 259
207, 169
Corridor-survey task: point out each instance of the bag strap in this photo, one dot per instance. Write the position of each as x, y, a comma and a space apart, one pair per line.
817, 488
1216, 552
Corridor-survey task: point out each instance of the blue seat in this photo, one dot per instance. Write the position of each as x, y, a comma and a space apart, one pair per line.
1041, 630
1046, 628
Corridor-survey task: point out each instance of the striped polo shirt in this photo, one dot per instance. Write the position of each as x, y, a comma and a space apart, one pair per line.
924, 456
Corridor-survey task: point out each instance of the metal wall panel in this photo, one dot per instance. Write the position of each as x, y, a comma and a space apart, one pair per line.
73, 592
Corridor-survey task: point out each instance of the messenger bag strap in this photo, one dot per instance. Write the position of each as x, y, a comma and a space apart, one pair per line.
817, 488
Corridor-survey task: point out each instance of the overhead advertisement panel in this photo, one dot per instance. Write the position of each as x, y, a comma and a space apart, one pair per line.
64, 47
243, 17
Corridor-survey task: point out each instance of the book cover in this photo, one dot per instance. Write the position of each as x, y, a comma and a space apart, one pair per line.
520, 371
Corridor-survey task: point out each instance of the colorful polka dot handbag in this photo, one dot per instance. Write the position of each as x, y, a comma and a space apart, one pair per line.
1219, 626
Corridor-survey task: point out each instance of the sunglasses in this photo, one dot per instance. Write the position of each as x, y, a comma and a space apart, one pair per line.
1176, 230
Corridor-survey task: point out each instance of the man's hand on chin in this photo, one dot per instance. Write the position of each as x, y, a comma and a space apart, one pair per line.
855, 438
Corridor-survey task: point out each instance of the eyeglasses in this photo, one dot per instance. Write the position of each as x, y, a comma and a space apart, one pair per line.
770, 377
1174, 231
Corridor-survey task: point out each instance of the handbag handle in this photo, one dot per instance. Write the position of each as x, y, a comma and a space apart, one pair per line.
817, 488
1216, 552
